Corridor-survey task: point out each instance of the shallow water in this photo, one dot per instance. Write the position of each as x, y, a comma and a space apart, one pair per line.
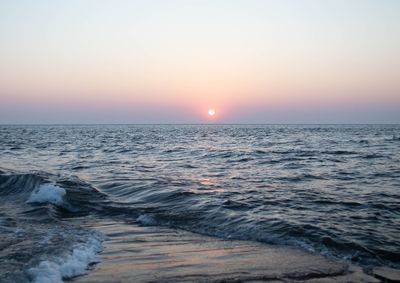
331, 189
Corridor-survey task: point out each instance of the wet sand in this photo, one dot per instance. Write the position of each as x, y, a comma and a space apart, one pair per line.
152, 254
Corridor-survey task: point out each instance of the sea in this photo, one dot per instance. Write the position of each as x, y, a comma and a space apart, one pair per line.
333, 190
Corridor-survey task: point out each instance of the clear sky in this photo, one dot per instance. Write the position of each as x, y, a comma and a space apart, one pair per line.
170, 61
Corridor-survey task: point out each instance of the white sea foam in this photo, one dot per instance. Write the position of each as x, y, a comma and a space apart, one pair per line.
74, 264
146, 220
47, 193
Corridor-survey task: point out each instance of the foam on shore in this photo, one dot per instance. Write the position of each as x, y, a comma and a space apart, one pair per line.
71, 265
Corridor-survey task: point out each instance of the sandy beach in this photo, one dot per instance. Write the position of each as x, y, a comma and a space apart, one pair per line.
152, 254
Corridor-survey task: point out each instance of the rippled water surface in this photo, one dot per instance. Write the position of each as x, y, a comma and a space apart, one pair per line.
333, 190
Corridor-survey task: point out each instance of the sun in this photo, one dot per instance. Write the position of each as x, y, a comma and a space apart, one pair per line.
211, 112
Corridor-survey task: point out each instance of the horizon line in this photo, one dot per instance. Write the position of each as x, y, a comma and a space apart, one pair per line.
183, 124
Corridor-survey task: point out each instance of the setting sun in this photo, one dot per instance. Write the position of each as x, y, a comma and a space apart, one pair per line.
211, 112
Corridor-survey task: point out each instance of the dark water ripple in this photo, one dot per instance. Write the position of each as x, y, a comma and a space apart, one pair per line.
329, 189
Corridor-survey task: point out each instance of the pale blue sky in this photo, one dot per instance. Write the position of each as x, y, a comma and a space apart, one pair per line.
169, 61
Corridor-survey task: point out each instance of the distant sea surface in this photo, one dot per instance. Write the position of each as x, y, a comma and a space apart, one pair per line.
329, 189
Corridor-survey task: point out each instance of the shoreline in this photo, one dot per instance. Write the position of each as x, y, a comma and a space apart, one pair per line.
135, 253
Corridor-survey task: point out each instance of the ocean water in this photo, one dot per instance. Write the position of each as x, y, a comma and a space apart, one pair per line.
329, 189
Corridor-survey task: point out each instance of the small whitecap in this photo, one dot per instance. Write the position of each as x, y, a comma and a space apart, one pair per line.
47, 193
146, 220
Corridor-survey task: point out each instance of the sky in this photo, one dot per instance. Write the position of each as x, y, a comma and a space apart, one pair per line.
170, 61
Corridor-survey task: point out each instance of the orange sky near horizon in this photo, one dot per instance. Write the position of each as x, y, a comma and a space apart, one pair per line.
190, 56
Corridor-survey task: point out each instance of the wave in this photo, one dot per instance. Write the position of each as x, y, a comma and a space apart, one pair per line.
200, 206
43, 247
71, 265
